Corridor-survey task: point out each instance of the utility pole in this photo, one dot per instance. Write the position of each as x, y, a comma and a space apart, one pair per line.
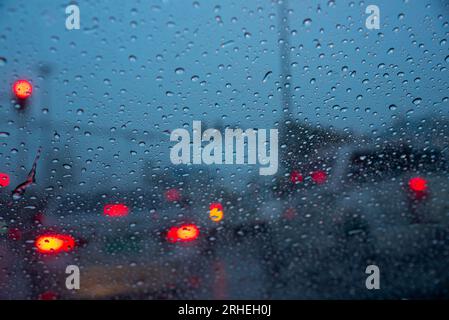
284, 55
45, 71
287, 125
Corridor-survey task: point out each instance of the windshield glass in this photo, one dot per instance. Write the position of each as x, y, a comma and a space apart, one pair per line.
224, 150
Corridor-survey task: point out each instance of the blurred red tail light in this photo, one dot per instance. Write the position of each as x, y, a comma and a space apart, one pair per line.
319, 176
172, 195
296, 177
418, 188
417, 184
54, 243
116, 210
184, 233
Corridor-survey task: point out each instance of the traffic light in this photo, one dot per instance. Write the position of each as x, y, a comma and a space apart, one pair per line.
4, 180
216, 212
22, 89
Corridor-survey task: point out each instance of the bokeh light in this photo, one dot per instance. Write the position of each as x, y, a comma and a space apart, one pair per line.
22, 89
319, 176
418, 184
296, 176
216, 212
116, 210
172, 195
54, 243
184, 233
4, 180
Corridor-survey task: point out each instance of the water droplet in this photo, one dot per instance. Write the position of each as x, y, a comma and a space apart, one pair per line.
417, 101
227, 43
266, 76
179, 70
307, 22
392, 107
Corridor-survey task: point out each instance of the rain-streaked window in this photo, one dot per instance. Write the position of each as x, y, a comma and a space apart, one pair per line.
224, 149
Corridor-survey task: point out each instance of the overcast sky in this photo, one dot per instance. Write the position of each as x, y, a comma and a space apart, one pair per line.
155, 66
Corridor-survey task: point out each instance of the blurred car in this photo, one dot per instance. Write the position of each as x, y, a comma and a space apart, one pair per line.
385, 206
121, 250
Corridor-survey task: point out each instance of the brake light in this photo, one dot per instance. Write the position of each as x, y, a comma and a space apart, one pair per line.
172, 234
14, 234
4, 180
22, 89
216, 212
296, 176
172, 195
54, 243
289, 214
116, 210
417, 184
319, 177
48, 295
188, 232
184, 233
